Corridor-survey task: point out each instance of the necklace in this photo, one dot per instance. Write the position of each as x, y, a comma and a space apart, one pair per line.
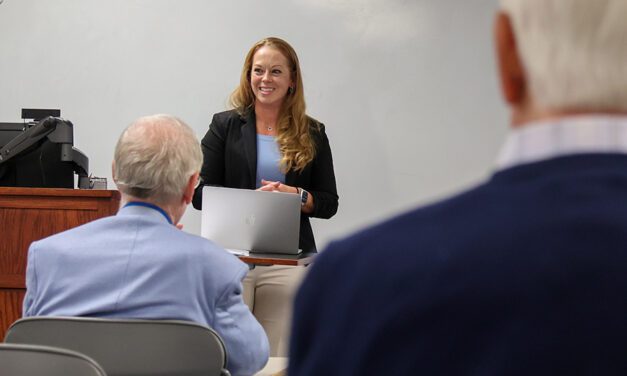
266, 127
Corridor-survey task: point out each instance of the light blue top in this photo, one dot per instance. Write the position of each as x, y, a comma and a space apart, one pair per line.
137, 265
268, 158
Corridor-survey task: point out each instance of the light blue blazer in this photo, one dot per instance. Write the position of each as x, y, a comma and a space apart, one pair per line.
137, 265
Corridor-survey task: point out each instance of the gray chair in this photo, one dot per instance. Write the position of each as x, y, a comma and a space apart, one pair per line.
32, 360
130, 347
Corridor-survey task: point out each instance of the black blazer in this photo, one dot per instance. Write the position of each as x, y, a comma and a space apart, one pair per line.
230, 160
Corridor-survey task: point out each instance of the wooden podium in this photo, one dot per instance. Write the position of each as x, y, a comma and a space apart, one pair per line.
29, 214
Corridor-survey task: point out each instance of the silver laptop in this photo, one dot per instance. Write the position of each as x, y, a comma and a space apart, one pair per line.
244, 220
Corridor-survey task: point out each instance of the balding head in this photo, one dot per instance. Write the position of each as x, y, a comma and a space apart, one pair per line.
573, 53
155, 158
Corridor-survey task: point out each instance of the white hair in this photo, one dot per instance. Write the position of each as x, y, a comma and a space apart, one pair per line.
155, 157
574, 52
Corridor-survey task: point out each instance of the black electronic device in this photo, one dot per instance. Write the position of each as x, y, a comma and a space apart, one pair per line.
8, 131
37, 114
42, 154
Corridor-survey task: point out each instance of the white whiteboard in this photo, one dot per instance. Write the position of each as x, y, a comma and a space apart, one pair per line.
406, 88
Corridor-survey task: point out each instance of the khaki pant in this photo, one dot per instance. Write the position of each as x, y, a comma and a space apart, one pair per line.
269, 293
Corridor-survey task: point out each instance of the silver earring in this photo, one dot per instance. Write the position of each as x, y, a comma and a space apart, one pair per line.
290, 90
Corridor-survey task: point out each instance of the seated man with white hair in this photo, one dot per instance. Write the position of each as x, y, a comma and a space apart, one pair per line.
138, 264
525, 274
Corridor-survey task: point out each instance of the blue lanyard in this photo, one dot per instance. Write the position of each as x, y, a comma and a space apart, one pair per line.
151, 206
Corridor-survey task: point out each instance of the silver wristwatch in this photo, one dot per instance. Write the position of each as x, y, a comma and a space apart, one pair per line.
304, 195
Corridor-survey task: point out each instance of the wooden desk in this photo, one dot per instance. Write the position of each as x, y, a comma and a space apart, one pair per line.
29, 214
278, 259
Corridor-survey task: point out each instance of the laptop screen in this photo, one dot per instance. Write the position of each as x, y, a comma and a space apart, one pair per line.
248, 220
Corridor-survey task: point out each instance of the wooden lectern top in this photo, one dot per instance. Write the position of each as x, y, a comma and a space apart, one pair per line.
30, 214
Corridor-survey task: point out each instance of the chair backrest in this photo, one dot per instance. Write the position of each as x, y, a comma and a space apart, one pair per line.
130, 347
33, 360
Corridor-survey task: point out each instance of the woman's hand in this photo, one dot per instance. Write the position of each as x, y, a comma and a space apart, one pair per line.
276, 186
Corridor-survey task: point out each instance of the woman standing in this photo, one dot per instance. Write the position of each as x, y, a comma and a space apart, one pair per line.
267, 142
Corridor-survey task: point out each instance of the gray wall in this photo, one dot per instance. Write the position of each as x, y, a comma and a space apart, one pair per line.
406, 88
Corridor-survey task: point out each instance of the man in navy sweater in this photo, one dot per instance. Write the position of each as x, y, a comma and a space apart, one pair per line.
525, 274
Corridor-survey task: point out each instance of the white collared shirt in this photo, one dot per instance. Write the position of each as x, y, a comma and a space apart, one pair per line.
565, 136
